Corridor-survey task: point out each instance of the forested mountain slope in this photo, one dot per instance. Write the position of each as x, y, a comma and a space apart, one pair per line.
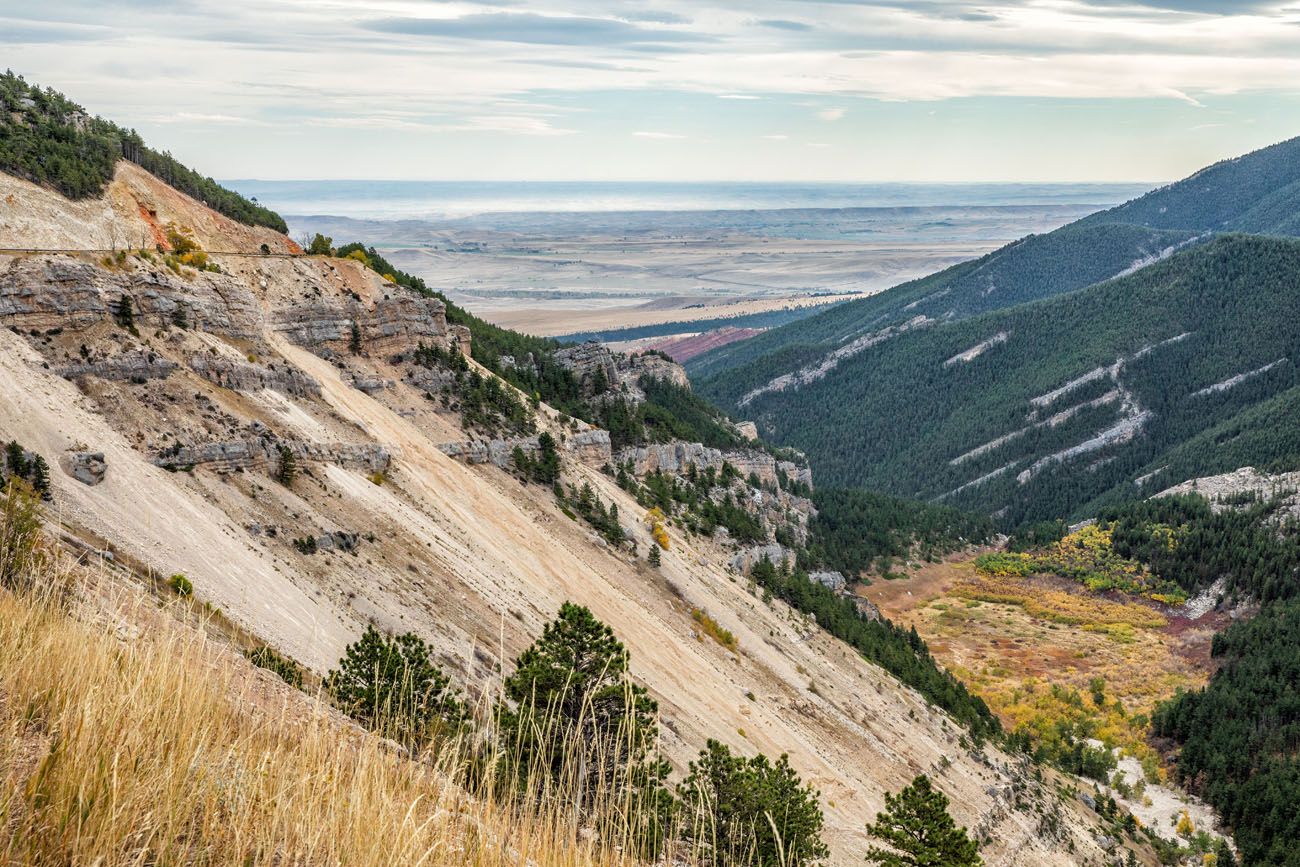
1258, 193
1184, 368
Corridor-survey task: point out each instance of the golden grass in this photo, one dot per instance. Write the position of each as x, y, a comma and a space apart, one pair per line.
714, 629
169, 749
1060, 606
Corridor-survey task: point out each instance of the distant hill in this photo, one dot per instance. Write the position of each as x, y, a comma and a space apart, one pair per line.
50, 140
1048, 409
1257, 193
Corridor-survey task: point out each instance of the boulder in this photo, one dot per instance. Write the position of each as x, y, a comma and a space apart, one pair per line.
89, 468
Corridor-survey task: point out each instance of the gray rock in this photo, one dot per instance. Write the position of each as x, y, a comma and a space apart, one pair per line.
263, 452
129, 367
830, 580
249, 376
89, 468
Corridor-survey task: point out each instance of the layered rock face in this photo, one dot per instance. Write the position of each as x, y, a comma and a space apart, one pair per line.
263, 452
51, 292
592, 365
677, 457
590, 447
600, 370
126, 367
65, 292
392, 325
247, 376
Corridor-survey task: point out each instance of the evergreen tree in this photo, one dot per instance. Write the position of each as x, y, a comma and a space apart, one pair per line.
40, 477
354, 339
653, 557
737, 811
180, 318
574, 725
919, 832
16, 459
546, 467
124, 315
287, 470
392, 686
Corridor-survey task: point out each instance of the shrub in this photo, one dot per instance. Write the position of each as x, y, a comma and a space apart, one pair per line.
181, 585
21, 551
712, 628
267, 657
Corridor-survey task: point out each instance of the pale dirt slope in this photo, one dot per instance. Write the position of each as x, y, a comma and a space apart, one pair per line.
465, 556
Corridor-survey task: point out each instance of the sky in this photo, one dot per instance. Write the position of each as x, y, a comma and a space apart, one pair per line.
790, 90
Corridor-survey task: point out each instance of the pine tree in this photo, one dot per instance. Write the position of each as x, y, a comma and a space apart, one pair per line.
124, 315
919, 832
749, 811
392, 686
287, 471
354, 340
180, 318
575, 723
16, 458
653, 557
40, 477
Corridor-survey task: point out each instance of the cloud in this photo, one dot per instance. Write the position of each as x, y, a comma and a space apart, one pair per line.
1205, 7
783, 24
513, 124
657, 17
748, 96
530, 28
198, 117
831, 114
776, 137
663, 136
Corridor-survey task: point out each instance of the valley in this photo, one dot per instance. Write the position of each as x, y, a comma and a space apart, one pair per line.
728, 543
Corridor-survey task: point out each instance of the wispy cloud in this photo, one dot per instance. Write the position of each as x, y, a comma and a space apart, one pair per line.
831, 114
658, 135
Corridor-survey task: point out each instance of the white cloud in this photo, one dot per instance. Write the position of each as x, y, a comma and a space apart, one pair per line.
658, 135
776, 137
513, 124
831, 114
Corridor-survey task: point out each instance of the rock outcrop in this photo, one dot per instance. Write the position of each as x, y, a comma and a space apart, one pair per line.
392, 325
134, 366
592, 364
262, 452
248, 376
747, 558
588, 447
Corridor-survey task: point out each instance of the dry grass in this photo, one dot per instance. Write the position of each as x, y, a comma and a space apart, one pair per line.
1059, 606
169, 749
714, 629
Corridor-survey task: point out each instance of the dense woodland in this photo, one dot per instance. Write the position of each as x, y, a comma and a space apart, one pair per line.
50, 140
896, 418
1240, 735
856, 530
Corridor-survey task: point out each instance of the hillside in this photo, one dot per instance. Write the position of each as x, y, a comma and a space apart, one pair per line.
1048, 409
167, 391
47, 138
1257, 193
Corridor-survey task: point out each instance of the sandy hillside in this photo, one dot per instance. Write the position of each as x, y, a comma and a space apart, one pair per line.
466, 556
